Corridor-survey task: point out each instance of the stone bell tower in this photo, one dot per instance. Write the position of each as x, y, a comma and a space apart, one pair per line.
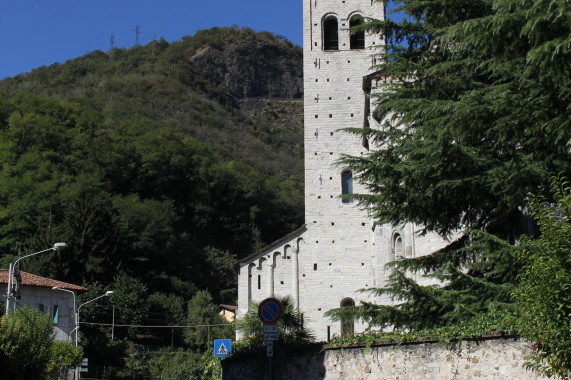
340, 257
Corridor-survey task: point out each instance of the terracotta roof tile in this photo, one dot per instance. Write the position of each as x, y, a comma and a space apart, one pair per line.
39, 281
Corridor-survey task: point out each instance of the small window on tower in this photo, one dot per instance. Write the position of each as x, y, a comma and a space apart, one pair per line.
347, 185
347, 325
330, 34
397, 248
357, 38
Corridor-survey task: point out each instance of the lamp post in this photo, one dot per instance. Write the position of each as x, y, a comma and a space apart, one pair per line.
56, 247
74, 313
107, 293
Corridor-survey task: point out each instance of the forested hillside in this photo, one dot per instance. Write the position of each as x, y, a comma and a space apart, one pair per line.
161, 163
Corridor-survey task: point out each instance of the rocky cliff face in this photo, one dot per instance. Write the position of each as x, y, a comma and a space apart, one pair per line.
252, 71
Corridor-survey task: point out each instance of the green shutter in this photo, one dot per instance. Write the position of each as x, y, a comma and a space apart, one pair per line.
55, 314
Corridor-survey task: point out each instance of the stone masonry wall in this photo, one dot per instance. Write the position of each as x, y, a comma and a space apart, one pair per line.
491, 358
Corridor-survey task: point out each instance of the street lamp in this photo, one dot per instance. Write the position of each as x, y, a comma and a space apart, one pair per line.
74, 313
107, 293
56, 247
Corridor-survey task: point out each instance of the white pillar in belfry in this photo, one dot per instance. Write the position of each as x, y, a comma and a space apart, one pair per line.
270, 282
295, 276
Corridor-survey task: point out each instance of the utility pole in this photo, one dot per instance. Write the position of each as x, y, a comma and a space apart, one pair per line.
112, 44
154, 43
137, 32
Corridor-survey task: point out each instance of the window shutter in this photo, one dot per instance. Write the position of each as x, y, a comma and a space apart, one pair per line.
55, 314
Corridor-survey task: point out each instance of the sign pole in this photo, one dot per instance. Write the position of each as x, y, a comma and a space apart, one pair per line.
270, 311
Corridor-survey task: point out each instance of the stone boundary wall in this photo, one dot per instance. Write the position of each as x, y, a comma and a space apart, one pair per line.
487, 358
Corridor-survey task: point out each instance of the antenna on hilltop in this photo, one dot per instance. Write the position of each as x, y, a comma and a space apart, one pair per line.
112, 43
137, 32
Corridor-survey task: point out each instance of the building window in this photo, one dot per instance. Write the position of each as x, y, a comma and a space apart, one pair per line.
51, 310
397, 248
347, 325
357, 40
330, 34
347, 185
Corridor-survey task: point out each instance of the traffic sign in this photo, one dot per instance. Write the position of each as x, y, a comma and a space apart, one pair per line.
222, 347
271, 333
270, 311
270, 328
269, 349
83, 365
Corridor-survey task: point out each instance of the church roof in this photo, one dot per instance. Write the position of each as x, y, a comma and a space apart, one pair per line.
271, 246
30, 279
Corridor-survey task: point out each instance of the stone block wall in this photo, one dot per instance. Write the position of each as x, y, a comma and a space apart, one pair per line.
490, 358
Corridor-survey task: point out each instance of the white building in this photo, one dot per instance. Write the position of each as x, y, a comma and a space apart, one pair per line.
340, 249
37, 292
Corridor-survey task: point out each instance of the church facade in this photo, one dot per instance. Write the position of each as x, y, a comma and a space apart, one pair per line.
340, 249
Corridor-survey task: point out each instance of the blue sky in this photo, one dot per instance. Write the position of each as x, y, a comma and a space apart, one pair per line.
34, 33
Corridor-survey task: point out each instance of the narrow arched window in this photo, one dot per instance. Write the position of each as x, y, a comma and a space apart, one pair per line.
347, 185
357, 39
330, 34
347, 325
398, 246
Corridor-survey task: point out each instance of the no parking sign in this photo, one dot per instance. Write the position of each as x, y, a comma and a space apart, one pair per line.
270, 311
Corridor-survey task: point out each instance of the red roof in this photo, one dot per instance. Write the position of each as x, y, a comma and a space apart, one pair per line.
39, 281
228, 307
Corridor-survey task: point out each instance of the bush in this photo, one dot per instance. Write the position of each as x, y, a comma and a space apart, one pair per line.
544, 294
27, 347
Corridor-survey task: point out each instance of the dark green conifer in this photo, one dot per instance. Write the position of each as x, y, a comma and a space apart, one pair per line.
475, 117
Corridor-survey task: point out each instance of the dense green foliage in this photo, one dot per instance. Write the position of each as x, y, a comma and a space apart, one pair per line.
27, 347
475, 114
208, 323
474, 109
153, 176
544, 293
141, 166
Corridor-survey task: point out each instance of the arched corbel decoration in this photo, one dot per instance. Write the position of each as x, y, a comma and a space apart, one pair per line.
287, 251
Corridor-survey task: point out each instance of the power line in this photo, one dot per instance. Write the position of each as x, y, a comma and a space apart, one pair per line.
153, 327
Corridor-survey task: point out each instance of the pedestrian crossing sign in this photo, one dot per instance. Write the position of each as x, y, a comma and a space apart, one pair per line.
222, 347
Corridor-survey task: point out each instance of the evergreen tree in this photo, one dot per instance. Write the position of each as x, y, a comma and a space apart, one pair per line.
474, 116
207, 323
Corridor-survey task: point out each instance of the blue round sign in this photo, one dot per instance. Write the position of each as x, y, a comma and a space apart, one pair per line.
270, 311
